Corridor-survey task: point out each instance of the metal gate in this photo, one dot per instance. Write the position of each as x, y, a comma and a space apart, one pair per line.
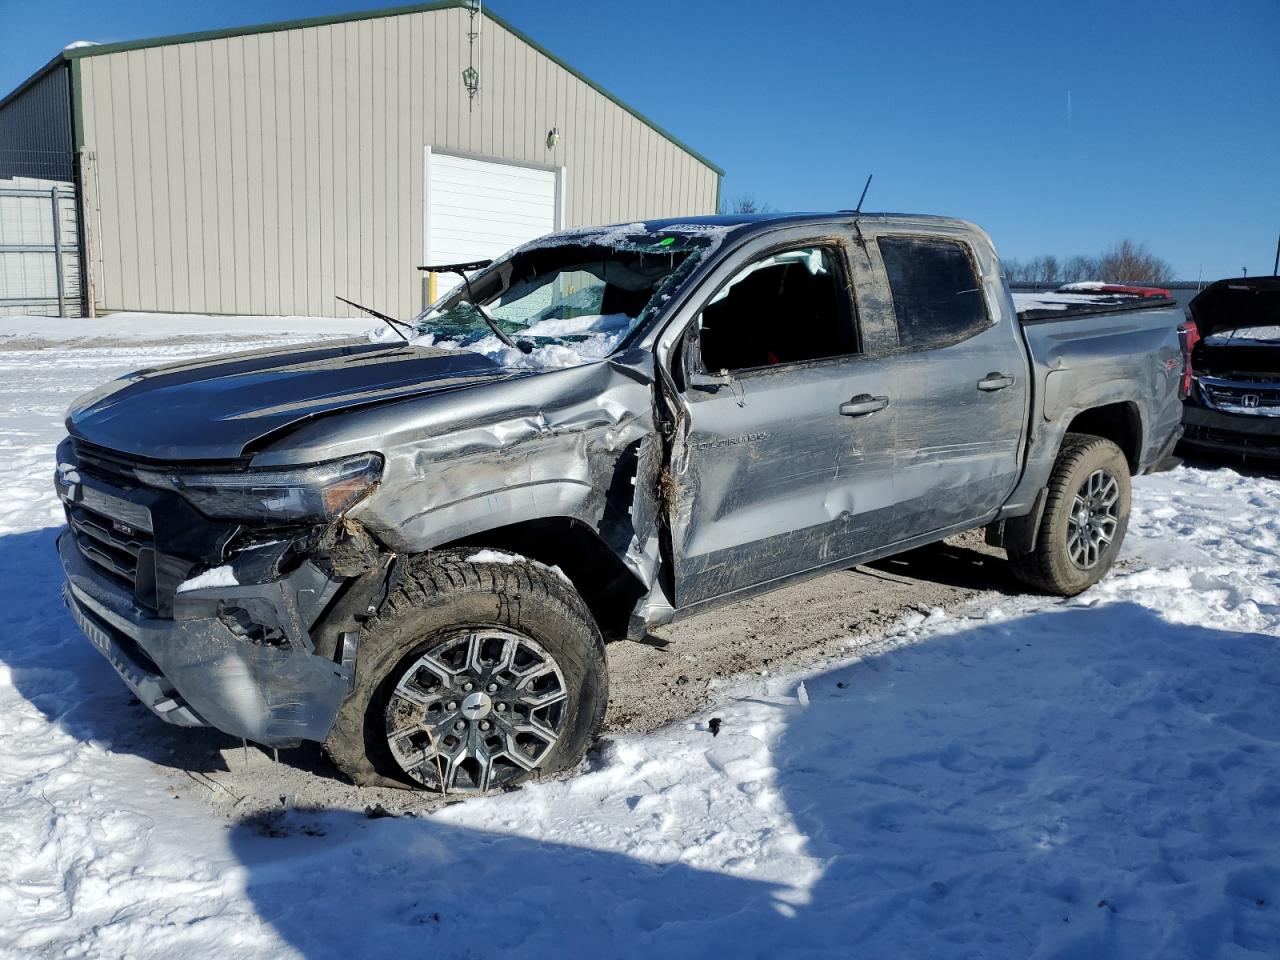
40, 269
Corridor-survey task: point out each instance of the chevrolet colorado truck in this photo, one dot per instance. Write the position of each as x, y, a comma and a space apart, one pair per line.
412, 550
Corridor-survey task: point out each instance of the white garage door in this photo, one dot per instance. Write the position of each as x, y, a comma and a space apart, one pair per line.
478, 209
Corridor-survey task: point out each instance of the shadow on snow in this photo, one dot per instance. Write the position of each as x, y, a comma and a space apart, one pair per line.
1080, 782
1076, 782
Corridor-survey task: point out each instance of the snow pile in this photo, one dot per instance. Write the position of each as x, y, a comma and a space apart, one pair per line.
621, 235
1052, 301
175, 326
222, 576
1083, 286
1032, 778
1270, 334
595, 337
497, 556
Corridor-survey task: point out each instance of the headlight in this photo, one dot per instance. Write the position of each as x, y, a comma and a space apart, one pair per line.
320, 492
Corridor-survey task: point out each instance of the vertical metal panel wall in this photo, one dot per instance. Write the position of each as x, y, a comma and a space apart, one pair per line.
39, 248
35, 128
265, 173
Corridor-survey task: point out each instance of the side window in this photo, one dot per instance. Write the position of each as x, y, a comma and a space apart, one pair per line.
787, 307
937, 298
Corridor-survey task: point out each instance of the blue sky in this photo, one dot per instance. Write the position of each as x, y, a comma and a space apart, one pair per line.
960, 108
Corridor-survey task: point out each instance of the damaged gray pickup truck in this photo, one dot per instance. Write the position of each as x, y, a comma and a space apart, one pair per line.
412, 552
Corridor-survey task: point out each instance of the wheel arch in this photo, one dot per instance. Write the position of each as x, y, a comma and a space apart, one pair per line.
609, 587
1121, 423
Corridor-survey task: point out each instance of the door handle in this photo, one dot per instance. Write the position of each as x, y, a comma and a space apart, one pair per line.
995, 381
863, 404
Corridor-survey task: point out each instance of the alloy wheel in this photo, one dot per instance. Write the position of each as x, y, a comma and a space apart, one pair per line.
1094, 518
476, 711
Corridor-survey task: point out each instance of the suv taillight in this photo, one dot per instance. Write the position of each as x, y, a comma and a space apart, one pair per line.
1188, 337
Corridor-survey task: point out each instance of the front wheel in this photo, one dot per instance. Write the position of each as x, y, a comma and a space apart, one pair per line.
474, 677
1085, 518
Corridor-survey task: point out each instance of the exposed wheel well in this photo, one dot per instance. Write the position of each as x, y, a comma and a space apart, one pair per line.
609, 588
1118, 422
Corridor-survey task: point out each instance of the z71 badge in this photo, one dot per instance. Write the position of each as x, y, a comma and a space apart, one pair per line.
729, 441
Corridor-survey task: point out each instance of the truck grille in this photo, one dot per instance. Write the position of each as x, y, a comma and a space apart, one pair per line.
1260, 397
110, 543
111, 532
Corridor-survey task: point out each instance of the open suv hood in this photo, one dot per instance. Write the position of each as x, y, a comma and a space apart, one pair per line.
1237, 305
225, 407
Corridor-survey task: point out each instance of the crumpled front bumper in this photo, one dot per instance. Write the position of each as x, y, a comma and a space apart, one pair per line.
193, 670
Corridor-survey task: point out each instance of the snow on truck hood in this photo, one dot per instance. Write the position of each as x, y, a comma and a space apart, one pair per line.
556, 343
216, 409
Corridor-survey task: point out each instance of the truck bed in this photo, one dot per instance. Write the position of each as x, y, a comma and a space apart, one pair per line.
1122, 361
1052, 305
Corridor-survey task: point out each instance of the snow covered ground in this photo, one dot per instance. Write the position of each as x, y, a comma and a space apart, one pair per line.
1023, 778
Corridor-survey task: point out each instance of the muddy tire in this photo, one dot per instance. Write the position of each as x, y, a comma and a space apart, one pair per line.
1085, 518
474, 677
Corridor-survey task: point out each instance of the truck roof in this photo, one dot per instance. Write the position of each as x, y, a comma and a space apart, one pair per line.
763, 220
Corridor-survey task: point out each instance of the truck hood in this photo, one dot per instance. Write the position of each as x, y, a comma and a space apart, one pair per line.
1239, 304
226, 407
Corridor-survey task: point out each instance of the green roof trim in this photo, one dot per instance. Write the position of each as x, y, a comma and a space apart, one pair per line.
102, 49
123, 46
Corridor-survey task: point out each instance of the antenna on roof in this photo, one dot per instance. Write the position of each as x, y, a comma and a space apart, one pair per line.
865, 187
857, 212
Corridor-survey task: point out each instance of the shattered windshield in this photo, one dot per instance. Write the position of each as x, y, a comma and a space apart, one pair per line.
563, 301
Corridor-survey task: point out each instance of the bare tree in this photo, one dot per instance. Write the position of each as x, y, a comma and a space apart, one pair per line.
1129, 262
1125, 262
1049, 272
1019, 271
1079, 267
744, 203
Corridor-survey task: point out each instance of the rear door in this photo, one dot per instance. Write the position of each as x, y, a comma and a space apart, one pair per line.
959, 375
788, 435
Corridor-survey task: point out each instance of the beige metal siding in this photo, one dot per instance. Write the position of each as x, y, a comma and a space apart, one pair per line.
265, 173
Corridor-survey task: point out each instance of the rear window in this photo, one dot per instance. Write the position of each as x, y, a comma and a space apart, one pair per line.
937, 298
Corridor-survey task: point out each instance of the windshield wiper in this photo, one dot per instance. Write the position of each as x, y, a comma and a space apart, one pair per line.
391, 322
461, 270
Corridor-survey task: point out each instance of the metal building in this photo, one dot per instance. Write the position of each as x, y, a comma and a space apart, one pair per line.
265, 170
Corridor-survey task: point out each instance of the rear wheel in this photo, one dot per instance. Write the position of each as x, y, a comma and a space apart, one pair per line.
1085, 518
475, 677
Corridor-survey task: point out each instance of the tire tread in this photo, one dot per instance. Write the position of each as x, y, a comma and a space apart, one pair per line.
1041, 568
433, 579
